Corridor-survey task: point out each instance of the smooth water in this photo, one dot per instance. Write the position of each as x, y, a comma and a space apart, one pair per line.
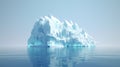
21, 56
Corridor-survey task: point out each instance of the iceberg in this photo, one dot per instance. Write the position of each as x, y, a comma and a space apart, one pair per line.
51, 32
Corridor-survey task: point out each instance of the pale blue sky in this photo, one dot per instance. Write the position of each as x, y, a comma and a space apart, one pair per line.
100, 18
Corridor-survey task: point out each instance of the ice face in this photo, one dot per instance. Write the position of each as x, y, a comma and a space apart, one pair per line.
49, 31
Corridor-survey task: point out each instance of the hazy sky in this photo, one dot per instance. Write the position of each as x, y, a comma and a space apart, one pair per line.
100, 18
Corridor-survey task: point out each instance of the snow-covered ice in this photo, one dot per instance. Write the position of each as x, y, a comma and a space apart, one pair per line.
49, 31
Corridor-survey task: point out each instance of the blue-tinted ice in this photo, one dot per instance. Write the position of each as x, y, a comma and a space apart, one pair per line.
53, 33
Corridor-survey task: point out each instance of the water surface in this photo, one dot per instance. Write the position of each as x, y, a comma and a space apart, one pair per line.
21, 56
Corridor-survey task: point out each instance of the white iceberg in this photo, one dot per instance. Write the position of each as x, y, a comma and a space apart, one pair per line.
49, 31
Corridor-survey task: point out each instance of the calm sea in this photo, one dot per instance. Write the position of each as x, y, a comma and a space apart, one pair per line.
21, 56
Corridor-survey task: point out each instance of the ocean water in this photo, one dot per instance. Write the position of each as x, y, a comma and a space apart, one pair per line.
21, 56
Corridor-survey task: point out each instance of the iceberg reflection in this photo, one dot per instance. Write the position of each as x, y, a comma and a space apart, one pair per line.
59, 57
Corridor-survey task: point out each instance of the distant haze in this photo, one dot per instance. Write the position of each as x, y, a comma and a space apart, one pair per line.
99, 18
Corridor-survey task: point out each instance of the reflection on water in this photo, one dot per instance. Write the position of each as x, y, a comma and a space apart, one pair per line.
59, 57
100, 56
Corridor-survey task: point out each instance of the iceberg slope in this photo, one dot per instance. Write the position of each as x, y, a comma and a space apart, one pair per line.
49, 31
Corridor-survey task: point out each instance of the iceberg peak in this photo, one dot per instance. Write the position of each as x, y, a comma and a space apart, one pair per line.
50, 31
